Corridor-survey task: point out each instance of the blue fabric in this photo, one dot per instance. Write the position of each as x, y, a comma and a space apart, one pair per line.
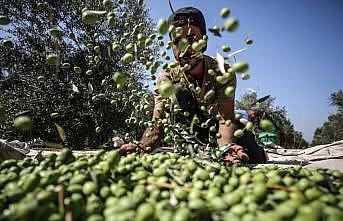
244, 114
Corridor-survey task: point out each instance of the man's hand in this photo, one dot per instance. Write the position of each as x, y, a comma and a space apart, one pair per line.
236, 156
127, 148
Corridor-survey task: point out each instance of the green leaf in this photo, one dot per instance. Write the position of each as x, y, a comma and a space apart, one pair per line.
61, 132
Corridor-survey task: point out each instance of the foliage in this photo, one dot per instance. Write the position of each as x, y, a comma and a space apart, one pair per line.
87, 105
332, 129
289, 137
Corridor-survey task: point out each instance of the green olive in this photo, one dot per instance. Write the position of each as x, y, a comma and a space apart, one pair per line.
231, 25
245, 76
230, 91
162, 26
218, 204
7, 43
23, 123
41, 78
77, 70
209, 95
98, 129
213, 128
240, 67
191, 166
4, 20
211, 72
267, 125
119, 79
128, 58
89, 72
107, 3
182, 214
182, 44
89, 187
89, 17
54, 115
224, 13
115, 47
201, 174
145, 212
111, 21
238, 116
166, 89
66, 65
97, 49
312, 193
197, 204
52, 59
260, 191
249, 41
226, 48
129, 48
196, 46
202, 43
198, 90
180, 194
148, 42
249, 126
238, 133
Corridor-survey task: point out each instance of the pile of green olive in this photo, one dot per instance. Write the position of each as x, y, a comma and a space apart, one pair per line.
105, 186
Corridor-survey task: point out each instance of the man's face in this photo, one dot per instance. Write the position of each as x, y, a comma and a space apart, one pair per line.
192, 34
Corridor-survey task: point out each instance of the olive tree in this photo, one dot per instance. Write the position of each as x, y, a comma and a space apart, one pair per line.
69, 73
332, 129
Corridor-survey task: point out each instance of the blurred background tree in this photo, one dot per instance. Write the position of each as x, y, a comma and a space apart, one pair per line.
284, 128
332, 129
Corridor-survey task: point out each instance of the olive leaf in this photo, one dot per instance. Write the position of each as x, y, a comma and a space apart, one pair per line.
220, 60
75, 89
90, 88
236, 52
61, 132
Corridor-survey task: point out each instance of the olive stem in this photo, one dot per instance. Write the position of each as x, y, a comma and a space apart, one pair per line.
176, 178
279, 187
169, 186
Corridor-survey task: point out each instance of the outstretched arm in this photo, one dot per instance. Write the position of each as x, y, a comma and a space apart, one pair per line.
225, 109
152, 136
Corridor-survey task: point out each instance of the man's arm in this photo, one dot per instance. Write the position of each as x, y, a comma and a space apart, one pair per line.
225, 109
152, 136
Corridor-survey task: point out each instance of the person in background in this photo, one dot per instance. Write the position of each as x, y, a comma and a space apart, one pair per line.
253, 115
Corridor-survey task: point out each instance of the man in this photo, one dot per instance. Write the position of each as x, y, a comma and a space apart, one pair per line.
253, 115
198, 104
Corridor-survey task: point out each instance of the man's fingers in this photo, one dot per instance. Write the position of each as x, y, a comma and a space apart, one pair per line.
243, 156
122, 151
236, 155
126, 148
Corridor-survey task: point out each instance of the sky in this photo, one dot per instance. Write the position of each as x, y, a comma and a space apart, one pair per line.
296, 56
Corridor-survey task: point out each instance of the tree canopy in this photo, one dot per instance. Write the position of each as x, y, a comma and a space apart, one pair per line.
69, 75
332, 129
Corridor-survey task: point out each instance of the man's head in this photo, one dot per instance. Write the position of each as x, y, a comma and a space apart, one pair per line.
188, 15
193, 26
